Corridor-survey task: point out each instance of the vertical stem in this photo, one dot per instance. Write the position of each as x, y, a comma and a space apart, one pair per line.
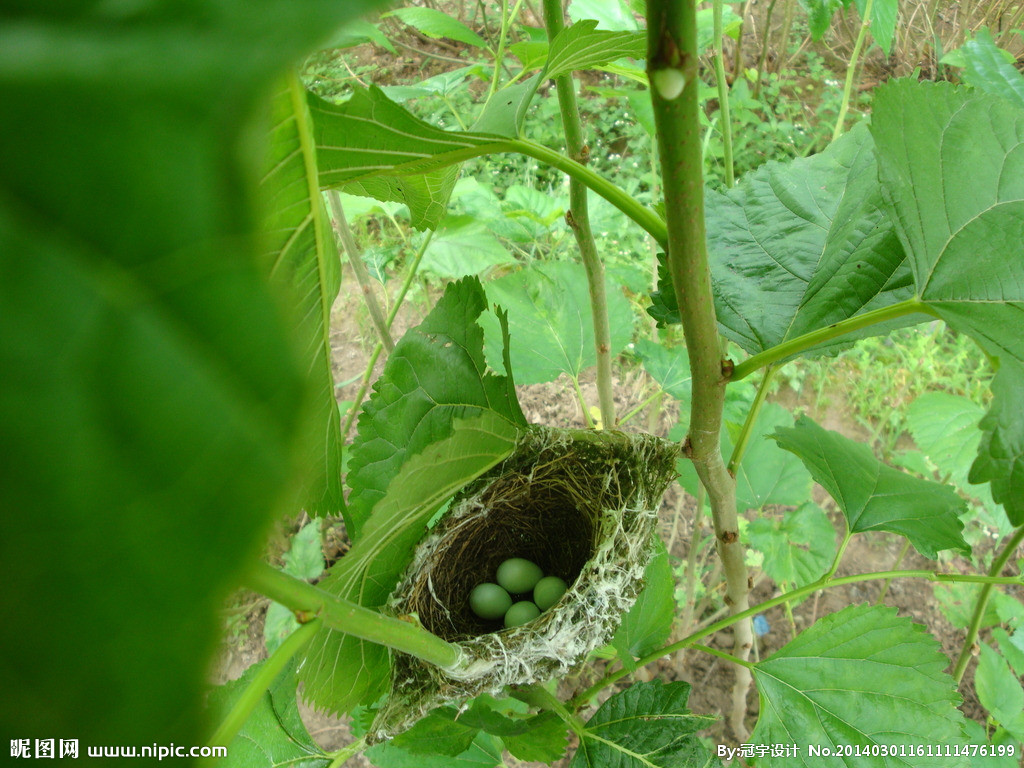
851, 71
724, 122
359, 269
578, 218
672, 60
979, 608
765, 42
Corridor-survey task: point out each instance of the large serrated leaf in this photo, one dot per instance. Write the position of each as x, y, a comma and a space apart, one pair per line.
550, 321
874, 496
274, 734
797, 247
373, 147
435, 374
151, 397
342, 671
952, 162
582, 46
859, 677
645, 726
302, 258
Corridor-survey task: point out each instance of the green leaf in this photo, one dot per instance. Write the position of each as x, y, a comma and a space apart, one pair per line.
439, 733
797, 247
952, 162
819, 15
876, 497
371, 146
437, 24
368, 573
302, 258
550, 321
152, 392
357, 32
669, 367
435, 375
768, 475
582, 46
883, 21
945, 427
305, 558
463, 246
484, 752
1011, 647
447, 732
798, 546
274, 734
647, 625
990, 68
613, 15
999, 691
864, 677
1001, 449
278, 624
645, 725
505, 111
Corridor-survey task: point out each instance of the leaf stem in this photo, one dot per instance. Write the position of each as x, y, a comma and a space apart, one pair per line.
352, 619
348, 751
540, 697
806, 341
748, 424
851, 70
650, 221
793, 595
723, 655
979, 607
839, 554
261, 682
355, 261
725, 123
578, 218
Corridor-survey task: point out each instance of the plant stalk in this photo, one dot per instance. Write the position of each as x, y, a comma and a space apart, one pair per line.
350, 618
673, 59
261, 682
355, 260
724, 121
808, 340
979, 607
578, 218
748, 424
851, 72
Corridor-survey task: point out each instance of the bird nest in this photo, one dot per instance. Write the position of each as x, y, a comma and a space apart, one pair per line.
580, 504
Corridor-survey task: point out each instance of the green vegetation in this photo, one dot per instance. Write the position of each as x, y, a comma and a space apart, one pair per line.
791, 267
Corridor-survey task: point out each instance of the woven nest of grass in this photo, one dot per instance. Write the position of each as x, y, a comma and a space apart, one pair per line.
583, 506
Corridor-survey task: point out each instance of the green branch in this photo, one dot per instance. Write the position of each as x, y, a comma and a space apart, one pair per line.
352, 619
979, 607
851, 70
261, 682
814, 338
748, 425
724, 119
578, 219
